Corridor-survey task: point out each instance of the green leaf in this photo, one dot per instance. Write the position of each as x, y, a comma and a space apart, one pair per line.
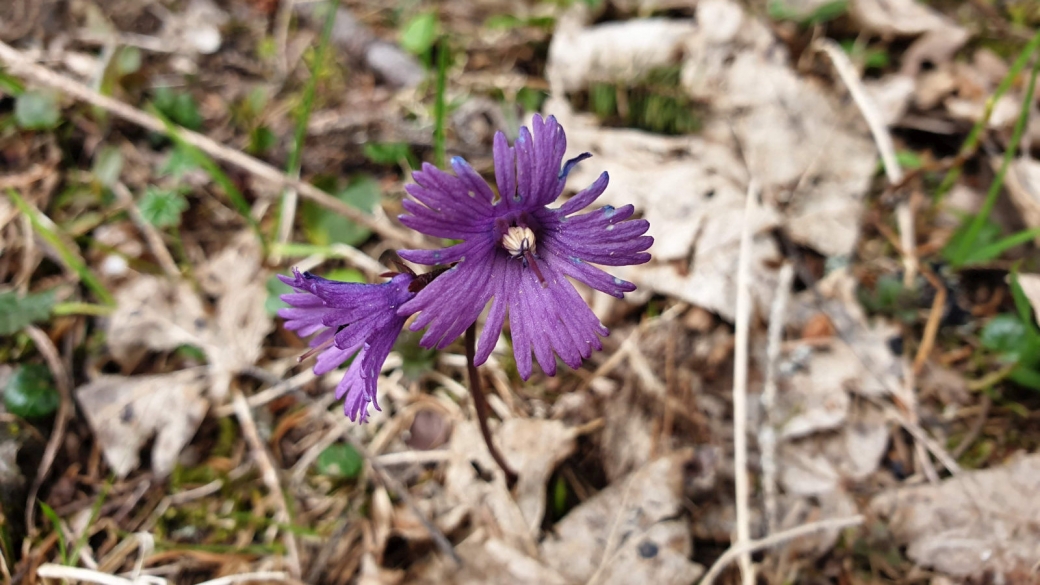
1005, 335
108, 164
988, 234
162, 207
345, 275
17, 312
340, 461
37, 110
323, 227
30, 392
994, 250
128, 61
1024, 376
530, 99
419, 33
261, 139
275, 289
10, 85
780, 10
179, 163
389, 153
179, 107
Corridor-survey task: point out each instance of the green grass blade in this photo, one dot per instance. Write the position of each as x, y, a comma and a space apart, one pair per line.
964, 251
440, 106
201, 159
56, 522
303, 113
48, 231
95, 512
972, 142
994, 250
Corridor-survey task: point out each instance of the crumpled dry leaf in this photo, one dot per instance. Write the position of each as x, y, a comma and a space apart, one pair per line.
576, 58
635, 518
533, 447
486, 560
1023, 184
125, 412
799, 510
1030, 284
196, 29
816, 380
985, 521
822, 463
157, 314
793, 135
898, 17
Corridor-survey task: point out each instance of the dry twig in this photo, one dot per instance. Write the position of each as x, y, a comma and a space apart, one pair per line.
22, 66
740, 381
779, 538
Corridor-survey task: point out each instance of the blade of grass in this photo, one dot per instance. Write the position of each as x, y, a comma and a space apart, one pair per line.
95, 512
972, 142
287, 212
56, 522
964, 251
994, 250
73, 308
214, 171
48, 231
1023, 307
440, 106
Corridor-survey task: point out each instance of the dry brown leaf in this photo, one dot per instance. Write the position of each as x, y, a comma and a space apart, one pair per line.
577, 56
899, 17
486, 560
794, 138
799, 510
532, 447
1030, 284
1023, 184
628, 531
822, 463
125, 413
985, 521
154, 313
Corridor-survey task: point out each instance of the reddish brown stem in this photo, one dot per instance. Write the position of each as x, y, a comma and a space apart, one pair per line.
480, 403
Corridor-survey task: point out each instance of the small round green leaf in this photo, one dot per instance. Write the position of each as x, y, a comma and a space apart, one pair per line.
37, 110
419, 33
30, 392
340, 461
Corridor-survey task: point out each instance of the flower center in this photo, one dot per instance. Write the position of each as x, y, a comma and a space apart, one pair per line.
518, 241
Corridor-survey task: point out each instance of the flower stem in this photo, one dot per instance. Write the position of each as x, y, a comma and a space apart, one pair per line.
481, 404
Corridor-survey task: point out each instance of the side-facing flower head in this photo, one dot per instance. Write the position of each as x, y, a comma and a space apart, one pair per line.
348, 318
516, 252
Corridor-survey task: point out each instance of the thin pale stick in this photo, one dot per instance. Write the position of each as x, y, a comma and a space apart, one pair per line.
775, 539
476, 390
269, 475
767, 435
20, 65
885, 145
740, 382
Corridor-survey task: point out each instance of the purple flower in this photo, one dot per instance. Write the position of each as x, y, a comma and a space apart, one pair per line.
516, 252
349, 318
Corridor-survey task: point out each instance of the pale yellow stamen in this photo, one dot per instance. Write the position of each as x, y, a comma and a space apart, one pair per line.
518, 241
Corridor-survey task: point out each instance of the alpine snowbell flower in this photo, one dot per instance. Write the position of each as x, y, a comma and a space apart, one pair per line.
349, 319
516, 252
